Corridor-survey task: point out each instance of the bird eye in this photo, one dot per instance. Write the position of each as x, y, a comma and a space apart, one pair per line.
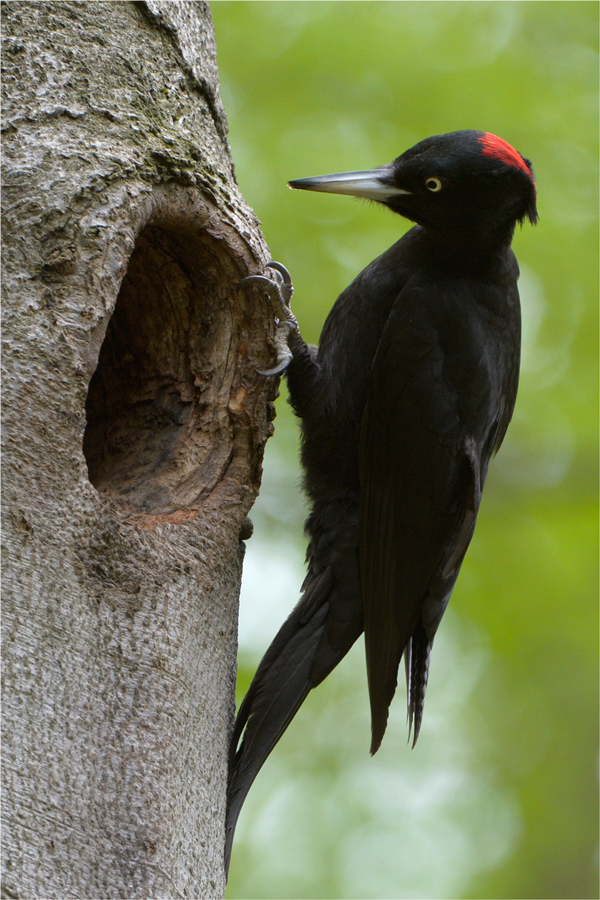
433, 184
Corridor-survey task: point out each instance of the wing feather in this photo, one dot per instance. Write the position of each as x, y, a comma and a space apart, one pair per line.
419, 498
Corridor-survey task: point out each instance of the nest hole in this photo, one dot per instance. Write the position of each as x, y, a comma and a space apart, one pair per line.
158, 436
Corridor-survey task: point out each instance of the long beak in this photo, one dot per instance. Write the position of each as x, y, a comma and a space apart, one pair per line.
374, 184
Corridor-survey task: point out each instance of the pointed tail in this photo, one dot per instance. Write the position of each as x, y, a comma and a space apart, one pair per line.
306, 649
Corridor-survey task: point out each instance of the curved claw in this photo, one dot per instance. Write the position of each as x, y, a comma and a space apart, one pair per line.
287, 278
279, 290
255, 279
278, 370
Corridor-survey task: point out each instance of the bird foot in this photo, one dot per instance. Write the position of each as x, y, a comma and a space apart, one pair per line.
279, 290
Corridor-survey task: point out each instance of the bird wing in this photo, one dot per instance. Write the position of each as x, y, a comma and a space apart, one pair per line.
420, 486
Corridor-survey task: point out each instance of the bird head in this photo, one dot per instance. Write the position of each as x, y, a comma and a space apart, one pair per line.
466, 184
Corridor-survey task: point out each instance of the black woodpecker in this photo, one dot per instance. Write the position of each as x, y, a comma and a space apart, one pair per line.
407, 397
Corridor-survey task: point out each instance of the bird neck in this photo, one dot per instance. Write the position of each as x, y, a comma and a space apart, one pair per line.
469, 245
459, 252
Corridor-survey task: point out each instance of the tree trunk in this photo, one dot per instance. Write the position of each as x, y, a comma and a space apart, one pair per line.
134, 429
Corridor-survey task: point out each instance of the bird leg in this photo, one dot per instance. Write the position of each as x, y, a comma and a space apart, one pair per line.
279, 290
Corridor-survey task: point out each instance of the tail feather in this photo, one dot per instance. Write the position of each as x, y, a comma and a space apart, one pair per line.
275, 695
311, 642
417, 671
299, 658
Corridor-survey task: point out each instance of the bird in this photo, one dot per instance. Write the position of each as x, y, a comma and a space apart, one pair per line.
401, 406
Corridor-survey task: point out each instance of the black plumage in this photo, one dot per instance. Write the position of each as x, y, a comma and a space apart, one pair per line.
406, 399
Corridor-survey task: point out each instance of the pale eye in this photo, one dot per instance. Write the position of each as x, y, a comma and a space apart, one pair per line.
433, 184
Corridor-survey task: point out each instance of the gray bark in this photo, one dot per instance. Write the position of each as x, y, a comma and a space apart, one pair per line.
134, 429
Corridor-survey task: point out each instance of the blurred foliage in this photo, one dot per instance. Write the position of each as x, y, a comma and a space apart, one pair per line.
499, 799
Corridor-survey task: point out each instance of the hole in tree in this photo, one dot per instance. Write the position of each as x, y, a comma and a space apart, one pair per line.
158, 434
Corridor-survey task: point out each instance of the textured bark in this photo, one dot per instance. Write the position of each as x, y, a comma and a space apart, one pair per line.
134, 429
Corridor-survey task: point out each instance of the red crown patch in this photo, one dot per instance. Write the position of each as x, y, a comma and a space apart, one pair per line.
499, 149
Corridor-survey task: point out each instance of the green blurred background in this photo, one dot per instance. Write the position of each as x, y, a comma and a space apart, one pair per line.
499, 799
